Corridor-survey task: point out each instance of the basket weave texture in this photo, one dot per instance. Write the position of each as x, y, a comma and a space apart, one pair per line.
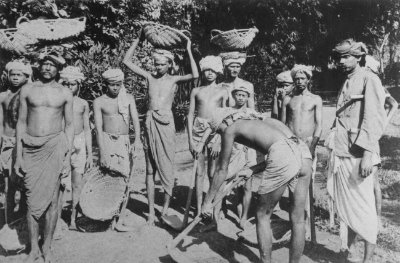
53, 29
102, 195
15, 40
162, 36
233, 40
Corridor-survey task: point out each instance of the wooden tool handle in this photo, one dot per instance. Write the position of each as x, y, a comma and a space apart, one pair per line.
191, 188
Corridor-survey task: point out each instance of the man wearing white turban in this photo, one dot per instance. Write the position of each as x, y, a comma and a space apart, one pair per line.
302, 113
81, 157
233, 62
113, 113
204, 100
354, 145
18, 74
160, 127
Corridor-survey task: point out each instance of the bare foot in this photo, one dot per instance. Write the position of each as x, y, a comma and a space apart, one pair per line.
48, 256
151, 220
243, 223
33, 256
208, 228
72, 226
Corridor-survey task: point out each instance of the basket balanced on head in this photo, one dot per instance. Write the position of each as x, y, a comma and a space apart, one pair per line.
165, 37
233, 40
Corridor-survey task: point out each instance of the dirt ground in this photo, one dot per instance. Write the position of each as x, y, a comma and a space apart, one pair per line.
149, 244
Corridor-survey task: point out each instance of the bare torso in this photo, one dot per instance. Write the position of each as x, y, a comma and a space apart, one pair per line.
300, 114
79, 107
259, 135
8, 125
45, 108
113, 121
208, 98
161, 92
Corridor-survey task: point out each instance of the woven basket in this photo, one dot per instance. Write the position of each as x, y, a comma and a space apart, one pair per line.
52, 29
162, 36
15, 40
102, 195
233, 40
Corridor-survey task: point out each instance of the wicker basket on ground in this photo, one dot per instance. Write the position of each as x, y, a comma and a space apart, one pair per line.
52, 29
15, 40
162, 36
102, 195
233, 40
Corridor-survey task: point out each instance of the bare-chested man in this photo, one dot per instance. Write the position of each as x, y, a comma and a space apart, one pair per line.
287, 164
113, 112
18, 75
285, 87
204, 100
160, 127
81, 157
233, 62
302, 113
45, 134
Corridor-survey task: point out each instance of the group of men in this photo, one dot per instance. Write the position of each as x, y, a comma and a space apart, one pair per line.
50, 138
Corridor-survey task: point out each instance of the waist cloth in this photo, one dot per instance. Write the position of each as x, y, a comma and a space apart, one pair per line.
117, 152
283, 164
160, 131
353, 195
43, 162
7, 152
200, 125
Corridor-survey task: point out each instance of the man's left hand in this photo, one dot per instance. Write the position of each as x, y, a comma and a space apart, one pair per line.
215, 150
89, 162
366, 166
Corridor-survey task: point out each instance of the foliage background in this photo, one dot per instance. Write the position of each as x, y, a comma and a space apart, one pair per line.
291, 31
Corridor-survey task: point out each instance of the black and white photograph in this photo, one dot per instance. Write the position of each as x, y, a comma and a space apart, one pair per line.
199, 131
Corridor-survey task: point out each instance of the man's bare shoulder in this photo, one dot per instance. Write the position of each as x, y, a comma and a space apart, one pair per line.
316, 98
82, 101
4, 95
100, 100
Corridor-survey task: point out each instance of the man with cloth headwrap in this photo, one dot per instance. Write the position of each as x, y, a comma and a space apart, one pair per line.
353, 141
204, 100
287, 164
81, 156
45, 133
233, 62
302, 113
285, 87
160, 127
18, 74
113, 112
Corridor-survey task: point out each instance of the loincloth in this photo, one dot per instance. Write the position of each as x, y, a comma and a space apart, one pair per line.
78, 159
353, 196
283, 164
7, 152
117, 152
161, 140
43, 162
200, 125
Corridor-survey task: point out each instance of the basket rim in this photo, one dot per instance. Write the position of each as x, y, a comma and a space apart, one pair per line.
178, 31
221, 33
80, 19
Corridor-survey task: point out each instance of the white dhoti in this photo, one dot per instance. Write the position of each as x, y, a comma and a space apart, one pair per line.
353, 196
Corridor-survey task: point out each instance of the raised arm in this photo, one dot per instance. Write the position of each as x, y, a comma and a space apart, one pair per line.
275, 112
128, 59
190, 117
2, 97
221, 170
21, 129
88, 136
251, 101
136, 123
193, 66
98, 121
285, 102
